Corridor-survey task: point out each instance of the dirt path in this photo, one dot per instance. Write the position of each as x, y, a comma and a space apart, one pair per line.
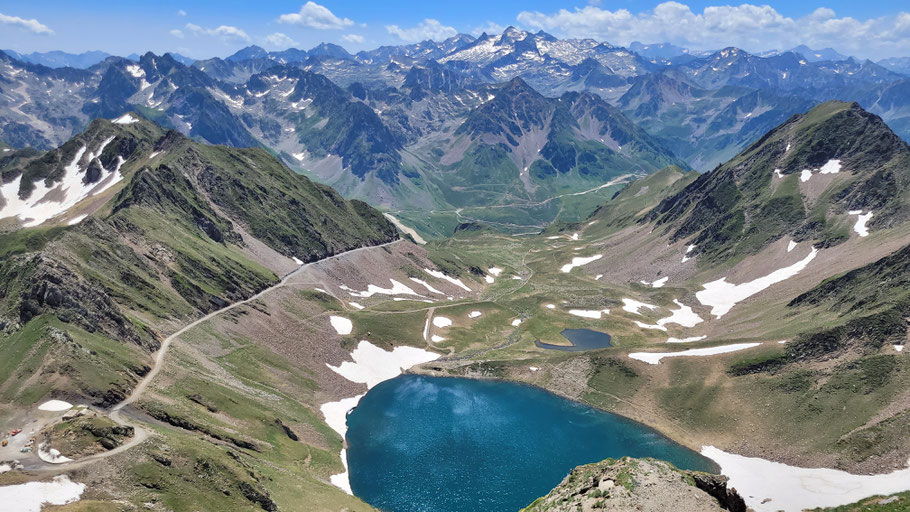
141, 434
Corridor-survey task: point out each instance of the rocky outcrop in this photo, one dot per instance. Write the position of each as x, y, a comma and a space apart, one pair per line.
47, 285
647, 485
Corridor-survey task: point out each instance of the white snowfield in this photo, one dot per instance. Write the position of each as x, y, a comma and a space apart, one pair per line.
46, 202
686, 340
655, 357
427, 285
769, 486
588, 313
396, 289
371, 366
689, 249
32, 496
721, 296
861, 221
633, 306
683, 316
579, 261
52, 455
830, 167
441, 321
125, 119
55, 406
342, 325
441, 275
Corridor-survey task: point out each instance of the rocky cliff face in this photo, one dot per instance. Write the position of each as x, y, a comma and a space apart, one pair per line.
638, 484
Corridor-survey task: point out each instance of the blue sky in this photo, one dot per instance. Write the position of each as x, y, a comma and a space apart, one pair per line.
870, 28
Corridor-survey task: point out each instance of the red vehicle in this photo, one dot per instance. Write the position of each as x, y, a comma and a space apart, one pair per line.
14, 432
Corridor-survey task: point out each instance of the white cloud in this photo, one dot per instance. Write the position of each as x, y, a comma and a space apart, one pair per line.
316, 16
353, 38
181, 12
489, 27
177, 33
31, 25
280, 40
748, 26
426, 29
225, 31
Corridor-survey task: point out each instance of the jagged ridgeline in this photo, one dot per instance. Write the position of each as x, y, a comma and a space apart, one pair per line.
127, 228
809, 178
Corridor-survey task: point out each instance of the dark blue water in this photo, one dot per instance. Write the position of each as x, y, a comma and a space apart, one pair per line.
449, 445
582, 339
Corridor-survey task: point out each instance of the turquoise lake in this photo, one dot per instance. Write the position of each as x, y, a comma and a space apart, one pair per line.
420, 443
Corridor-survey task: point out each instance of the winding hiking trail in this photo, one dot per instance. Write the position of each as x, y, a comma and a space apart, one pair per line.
140, 433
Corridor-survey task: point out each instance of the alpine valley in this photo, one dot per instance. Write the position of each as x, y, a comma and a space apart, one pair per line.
695, 264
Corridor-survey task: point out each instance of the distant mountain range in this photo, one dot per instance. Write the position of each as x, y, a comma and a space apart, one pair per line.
424, 125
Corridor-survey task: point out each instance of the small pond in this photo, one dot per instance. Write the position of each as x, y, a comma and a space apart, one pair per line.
582, 339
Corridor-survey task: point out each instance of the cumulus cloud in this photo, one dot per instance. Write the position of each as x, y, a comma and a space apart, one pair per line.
181, 12
353, 38
31, 25
224, 31
489, 27
748, 26
426, 29
316, 16
177, 33
279, 40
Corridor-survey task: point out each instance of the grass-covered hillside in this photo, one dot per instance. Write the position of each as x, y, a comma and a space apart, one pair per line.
801, 179
188, 229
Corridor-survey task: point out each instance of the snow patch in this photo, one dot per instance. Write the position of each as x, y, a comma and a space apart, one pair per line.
686, 340
51, 455
830, 167
35, 209
574, 236
805, 175
791, 245
436, 338
427, 286
495, 271
474, 314
441, 275
722, 296
76, 220
769, 486
125, 119
551, 306
899, 348
587, 313
516, 322
32, 496
655, 357
633, 306
356, 305
579, 261
861, 221
342, 325
154, 154
55, 406
396, 289
441, 321
297, 260
489, 279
